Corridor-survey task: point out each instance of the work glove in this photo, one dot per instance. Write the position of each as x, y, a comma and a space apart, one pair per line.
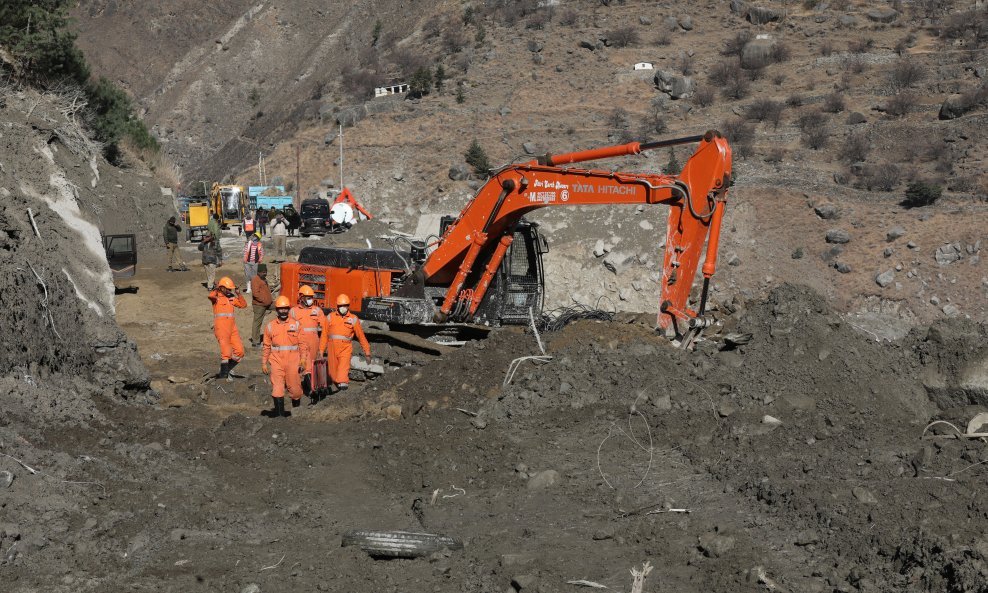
265, 368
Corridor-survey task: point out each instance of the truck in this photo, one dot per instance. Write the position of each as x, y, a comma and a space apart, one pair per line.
485, 268
197, 221
269, 197
315, 214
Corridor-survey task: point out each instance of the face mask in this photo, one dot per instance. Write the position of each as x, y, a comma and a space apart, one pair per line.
343, 310
307, 301
282, 314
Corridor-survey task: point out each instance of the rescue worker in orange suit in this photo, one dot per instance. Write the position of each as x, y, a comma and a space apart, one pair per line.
314, 329
283, 357
224, 299
343, 327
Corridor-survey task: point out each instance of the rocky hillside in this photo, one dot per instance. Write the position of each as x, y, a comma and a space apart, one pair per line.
834, 109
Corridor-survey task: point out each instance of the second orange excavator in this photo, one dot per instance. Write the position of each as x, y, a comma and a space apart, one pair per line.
485, 266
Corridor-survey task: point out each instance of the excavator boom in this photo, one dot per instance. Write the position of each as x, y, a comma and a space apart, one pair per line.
484, 230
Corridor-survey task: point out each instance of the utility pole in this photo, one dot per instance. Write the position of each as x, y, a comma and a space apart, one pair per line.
298, 176
341, 157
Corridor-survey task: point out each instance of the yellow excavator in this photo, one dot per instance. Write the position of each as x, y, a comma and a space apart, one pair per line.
229, 202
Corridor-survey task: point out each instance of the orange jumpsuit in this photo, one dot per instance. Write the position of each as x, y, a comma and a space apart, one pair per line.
225, 325
313, 322
283, 349
342, 330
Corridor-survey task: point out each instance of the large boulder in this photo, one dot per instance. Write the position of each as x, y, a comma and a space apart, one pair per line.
882, 15
350, 116
739, 7
674, 85
953, 107
948, 253
459, 172
760, 15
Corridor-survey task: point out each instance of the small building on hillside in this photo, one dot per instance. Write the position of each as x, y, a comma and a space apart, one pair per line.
394, 89
643, 66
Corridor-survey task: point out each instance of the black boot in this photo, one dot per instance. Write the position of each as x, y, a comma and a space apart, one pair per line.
281, 408
274, 411
296, 403
307, 384
231, 366
224, 371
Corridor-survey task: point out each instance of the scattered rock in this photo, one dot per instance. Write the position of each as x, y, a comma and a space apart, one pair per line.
827, 211
954, 106
504, 110
739, 7
715, 545
535, 46
842, 267
885, 278
838, 236
726, 409
600, 249
523, 581
174, 379
674, 85
251, 588
935, 301
759, 15
516, 559
807, 537
948, 253
479, 423
685, 22
733, 260
393, 411
644, 20
586, 44
888, 252
646, 225
863, 495
544, 479
771, 420
529, 147
616, 262
951, 310
671, 23
894, 233
912, 245
6, 479
662, 402
459, 172
847, 20
882, 15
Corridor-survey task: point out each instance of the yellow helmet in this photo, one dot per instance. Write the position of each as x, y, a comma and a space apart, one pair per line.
306, 290
226, 283
282, 303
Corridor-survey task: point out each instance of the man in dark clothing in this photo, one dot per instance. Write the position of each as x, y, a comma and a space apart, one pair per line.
210, 259
261, 299
294, 221
262, 221
170, 234
214, 230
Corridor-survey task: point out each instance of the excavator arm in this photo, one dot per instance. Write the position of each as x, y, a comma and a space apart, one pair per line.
484, 230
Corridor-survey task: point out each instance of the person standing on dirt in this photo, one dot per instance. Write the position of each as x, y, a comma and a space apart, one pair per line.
261, 299
283, 357
248, 224
225, 298
253, 254
294, 222
210, 258
344, 326
214, 229
262, 221
170, 234
314, 329
279, 231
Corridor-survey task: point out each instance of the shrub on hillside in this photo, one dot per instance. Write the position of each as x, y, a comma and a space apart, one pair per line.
704, 96
861, 45
622, 36
654, 121
685, 65
814, 127
826, 48
833, 103
421, 83
794, 100
569, 17
740, 134
663, 38
733, 81
780, 53
900, 104
359, 83
538, 20
735, 45
476, 157
454, 39
921, 193
905, 73
855, 148
408, 61
882, 177
765, 110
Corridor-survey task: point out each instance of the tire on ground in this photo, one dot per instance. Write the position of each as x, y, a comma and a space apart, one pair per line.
399, 544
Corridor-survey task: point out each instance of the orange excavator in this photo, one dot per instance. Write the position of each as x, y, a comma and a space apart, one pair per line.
486, 265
